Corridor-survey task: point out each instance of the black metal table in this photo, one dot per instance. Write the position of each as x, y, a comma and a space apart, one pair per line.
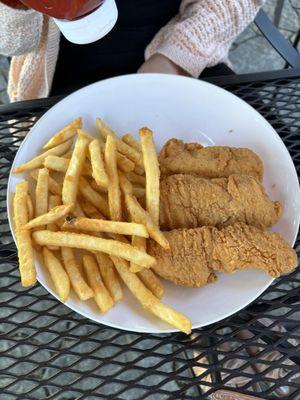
49, 352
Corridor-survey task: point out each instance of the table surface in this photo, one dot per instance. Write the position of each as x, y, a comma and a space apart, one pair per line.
48, 351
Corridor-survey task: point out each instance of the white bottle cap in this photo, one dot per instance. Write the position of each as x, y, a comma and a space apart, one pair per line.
92, 27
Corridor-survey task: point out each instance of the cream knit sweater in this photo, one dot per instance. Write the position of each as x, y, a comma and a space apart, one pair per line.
198, 37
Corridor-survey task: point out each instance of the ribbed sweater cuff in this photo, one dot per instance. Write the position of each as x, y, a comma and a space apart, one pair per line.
182, 57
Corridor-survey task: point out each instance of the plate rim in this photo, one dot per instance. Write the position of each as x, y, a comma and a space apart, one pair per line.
143, 76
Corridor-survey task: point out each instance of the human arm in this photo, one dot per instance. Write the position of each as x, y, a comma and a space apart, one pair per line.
158, 63
200, 35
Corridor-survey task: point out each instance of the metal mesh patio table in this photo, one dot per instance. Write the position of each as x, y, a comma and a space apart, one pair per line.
48, 351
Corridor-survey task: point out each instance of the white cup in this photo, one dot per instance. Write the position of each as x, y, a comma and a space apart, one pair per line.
92, 27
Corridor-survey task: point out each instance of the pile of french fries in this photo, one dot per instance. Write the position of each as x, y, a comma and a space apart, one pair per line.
96, 203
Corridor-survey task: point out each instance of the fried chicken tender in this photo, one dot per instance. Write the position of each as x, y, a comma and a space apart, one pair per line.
188, 201
241, 246
188, 261
195, 254
177, 157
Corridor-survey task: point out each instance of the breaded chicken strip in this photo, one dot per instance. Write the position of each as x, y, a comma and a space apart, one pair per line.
195, 254
188, 201
188, 261
241, 246
177, 157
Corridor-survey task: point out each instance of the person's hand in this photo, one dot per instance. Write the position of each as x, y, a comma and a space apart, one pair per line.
161, 64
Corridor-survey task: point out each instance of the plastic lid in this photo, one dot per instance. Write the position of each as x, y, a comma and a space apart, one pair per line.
92, 27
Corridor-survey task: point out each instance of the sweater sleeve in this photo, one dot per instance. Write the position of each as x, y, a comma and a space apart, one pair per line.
20, 30
201, 34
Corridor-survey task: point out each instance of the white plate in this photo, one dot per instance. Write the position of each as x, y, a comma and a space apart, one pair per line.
191, 110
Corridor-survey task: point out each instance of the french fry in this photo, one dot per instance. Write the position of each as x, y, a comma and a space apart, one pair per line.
50, 217
61, 164
122, 147
87, 169
90, 210
55, 163
124, 164
97, 161
58, 275
152, 173
37, 162
64, 134
41, 192
131, 141
53, 186
120, 238
140, 243
68, 154
128, 188
78, 254
54, 201
135, 178
130, 153
70, 184
101, 294
139, 215
93, 197
25, 255
142, 202
138, 191
152, 282
25, 249
41, 197
125, 184
30, 207
114, 193
139, 170
86, 134
78, 210
103, 129
81, 288
100, 225
102, 190
148, 301
92, 243
109, 276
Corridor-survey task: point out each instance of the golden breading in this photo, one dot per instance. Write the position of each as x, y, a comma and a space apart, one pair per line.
188, 201
177, 157
195, 254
